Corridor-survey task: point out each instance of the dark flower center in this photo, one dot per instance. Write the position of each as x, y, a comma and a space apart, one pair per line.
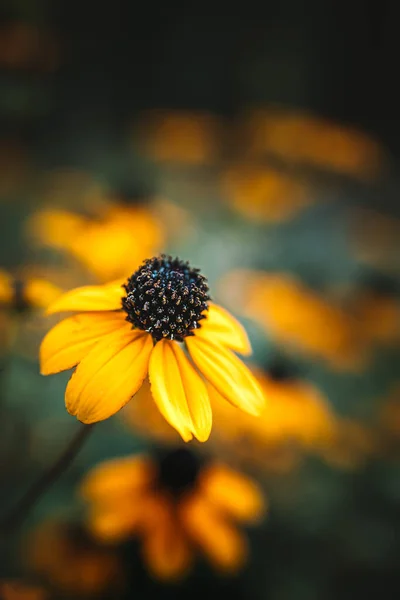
166, 298
280, 370
178, 470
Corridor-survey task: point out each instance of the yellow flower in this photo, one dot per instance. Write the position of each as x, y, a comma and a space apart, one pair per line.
108, 245
119, 337
297, 317
175, 505
71, 561
296, 419
308, 140
190, 138
265, 194
22, 294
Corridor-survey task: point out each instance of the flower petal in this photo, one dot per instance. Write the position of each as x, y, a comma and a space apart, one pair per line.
40, 292
108, 377
224, 329
121, 476
66, 344
224, 545
89, 297
196, 394
226, 372
167, 551
167, 388
232, 493
113, 524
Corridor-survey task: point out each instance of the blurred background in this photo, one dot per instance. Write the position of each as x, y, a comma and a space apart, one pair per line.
262, 145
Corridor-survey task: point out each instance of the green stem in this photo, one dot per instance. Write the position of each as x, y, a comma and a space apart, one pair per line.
12, 521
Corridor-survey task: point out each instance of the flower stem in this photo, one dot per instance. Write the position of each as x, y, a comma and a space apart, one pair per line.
45, 481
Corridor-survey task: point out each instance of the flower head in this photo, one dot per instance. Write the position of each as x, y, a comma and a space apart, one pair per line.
105, 244
297, 318
175, 504
119, 337
297, 419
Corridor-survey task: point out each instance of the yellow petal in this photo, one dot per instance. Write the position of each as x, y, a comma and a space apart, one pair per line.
224, 545
89, 297
219, 326
108, 377
232, 493
72, 339
40, 292
6, 288
226, 372
196, 394
55, 227
115, 524
167, 388
118, 477
167, 551
179, 392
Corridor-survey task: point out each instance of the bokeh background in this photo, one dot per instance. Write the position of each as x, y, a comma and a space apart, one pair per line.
261, 144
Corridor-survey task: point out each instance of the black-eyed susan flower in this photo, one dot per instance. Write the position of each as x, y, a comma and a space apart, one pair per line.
261, 193
309, 140
185, 137
297, 317
161, 323
21, 294
107, 243
297, 419
67, 557
177, 505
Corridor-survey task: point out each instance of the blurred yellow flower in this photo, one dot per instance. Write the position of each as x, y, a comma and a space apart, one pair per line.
121, 336
192, 138
22, 294
71, 561
309, 140
120, 236
261, 193
296, 317
297, 418
176, 505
